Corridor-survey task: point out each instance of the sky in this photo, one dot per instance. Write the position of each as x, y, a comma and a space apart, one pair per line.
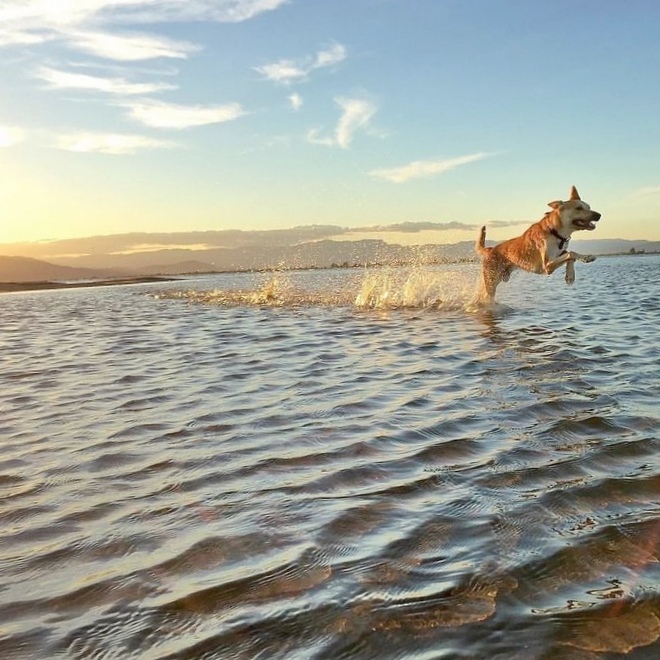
179, 115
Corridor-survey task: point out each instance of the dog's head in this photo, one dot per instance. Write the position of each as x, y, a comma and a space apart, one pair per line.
575, 215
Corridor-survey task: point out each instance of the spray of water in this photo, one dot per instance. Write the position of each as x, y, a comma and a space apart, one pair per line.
414, 287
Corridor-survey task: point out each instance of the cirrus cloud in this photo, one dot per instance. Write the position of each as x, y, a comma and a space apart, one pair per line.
115, 35
129, 47
219, 11
416, 227
108, 143
419, 169
646, 191
24, 22
289, 71
158, 114
356, 115
57, 79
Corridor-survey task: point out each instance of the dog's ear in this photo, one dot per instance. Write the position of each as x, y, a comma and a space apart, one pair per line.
555, 205
574, 193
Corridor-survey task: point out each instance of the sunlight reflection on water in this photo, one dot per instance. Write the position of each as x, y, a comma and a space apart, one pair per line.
333, 464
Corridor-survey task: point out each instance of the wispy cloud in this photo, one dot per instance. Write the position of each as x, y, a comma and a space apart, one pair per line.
27, 22
109, 143
10, 135
296, 101
287, 71
120, 86
425, 168
356, 115
220, 11
131, 47
158, 114
499, 224
646, 191
121, 32
416, 227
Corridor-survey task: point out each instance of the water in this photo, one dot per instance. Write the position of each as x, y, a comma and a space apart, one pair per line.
248, 466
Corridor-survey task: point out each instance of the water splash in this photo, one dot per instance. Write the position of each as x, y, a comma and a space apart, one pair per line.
275, 291
415, 287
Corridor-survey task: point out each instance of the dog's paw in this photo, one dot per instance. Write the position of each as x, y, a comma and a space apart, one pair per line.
588, 258
570, 272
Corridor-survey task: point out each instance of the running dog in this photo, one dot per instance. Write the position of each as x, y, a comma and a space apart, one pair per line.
541, 249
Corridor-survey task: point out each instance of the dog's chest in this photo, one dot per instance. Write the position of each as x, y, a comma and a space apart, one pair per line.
555, 246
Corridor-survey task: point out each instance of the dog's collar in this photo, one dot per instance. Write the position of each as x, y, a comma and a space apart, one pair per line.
563, 241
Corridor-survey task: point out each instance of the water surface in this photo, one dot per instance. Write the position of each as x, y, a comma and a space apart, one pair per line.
333, 464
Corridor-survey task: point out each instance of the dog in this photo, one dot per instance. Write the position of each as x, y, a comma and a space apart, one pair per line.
541, 249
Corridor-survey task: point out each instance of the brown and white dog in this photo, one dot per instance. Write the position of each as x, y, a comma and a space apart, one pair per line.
541, 249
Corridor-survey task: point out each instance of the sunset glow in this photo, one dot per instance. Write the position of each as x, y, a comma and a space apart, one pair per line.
176, 116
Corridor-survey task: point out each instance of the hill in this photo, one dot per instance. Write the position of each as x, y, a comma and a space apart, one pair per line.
316, 254
613, 246
26, 269
315, 246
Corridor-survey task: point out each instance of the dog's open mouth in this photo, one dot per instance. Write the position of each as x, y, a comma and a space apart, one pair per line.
590, 225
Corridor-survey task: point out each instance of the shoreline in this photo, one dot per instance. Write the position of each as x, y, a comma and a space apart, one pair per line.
46, 285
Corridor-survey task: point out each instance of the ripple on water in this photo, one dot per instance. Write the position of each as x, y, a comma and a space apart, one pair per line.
333, 465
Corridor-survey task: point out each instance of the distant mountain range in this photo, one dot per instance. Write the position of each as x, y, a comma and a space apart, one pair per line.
124, 255
26, 269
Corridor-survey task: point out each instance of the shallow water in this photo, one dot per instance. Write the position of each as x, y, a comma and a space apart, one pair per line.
333, 464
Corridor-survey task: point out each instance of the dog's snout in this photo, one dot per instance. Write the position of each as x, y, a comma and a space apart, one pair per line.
596, 216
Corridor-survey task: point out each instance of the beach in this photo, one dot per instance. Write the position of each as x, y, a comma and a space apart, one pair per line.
11, 287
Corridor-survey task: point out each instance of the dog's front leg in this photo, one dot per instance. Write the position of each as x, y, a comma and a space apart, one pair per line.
549, 267
584, 258
570, 272
570, 265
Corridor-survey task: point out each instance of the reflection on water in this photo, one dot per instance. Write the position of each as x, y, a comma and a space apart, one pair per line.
333, 464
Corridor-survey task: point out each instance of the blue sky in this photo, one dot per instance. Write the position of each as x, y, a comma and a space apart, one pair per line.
168, 115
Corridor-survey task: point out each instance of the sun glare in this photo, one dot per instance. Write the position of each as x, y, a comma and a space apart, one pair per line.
10, 135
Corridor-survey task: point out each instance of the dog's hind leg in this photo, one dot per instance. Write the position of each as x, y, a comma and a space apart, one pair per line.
489, 282
492, 270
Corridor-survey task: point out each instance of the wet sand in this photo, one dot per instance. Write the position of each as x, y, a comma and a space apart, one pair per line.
8, 287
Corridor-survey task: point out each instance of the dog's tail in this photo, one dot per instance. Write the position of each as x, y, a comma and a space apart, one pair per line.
480, 246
